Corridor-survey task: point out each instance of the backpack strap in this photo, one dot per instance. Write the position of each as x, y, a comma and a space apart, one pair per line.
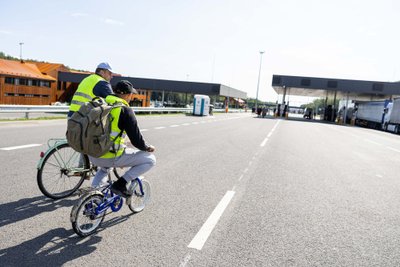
113, 145
114, 149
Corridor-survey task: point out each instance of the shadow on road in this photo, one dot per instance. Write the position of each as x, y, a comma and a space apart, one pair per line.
53, 248
114, 221
28, 207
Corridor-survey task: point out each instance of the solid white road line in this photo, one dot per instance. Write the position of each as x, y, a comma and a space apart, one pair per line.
19, 147
159, 128
202, 236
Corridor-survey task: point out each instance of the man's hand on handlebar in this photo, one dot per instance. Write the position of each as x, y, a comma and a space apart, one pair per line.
150, 148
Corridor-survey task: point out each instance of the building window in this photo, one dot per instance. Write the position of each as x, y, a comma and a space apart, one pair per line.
35, 83
10, 80
61, 86
45, 83
23, 82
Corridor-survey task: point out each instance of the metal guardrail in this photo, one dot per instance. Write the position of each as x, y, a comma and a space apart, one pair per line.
26, 109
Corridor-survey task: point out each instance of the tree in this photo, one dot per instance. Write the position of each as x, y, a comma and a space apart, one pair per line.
320, 103
251, 102
8, 57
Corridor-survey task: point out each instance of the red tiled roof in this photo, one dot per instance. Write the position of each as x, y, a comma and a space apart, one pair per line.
18, 69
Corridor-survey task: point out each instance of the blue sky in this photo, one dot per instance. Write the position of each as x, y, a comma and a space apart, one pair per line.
211, 41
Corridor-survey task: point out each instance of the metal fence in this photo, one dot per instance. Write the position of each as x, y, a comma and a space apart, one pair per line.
27, 109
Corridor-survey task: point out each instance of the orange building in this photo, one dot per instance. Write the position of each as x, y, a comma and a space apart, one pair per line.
38, 83
59, 90
23, 83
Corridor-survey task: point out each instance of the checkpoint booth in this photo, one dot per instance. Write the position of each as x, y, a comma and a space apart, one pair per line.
201, 105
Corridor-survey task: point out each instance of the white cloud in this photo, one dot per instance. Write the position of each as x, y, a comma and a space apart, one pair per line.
113, 22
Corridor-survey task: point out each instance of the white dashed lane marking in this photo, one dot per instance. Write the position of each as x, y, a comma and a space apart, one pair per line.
205, 231
19, 147
269, 135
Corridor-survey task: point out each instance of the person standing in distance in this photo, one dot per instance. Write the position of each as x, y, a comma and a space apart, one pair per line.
124, 124
97, 84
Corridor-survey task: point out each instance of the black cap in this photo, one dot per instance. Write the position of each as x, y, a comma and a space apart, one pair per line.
124, 87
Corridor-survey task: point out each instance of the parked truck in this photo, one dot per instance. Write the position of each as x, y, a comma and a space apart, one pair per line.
373, 114
393, 114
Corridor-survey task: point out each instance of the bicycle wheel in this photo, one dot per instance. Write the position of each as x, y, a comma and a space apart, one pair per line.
85, 221
138, 201
63, 172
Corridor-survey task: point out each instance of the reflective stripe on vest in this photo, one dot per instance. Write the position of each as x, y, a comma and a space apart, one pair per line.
84, 93
116, 137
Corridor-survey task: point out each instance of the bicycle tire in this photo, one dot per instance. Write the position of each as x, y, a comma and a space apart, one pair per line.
84, 221
63, 172
138, 201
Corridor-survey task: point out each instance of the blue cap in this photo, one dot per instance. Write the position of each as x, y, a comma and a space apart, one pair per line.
105, 66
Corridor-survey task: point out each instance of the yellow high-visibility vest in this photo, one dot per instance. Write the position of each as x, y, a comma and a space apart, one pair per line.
116, 136
84, 93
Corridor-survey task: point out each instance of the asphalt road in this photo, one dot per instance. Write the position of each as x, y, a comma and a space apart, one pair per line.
229, 190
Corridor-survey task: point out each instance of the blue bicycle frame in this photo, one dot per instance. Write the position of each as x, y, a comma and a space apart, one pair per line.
110, 199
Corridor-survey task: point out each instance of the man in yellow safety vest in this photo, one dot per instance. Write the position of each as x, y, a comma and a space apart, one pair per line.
97, 84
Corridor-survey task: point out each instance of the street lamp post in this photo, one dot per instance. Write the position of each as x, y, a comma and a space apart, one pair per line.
258, 83
20, 51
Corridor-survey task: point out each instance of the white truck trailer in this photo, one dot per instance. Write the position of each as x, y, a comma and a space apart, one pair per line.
393, 114
372, 114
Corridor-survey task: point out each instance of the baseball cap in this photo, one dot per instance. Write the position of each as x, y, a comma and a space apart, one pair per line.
105, 66
124, 87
